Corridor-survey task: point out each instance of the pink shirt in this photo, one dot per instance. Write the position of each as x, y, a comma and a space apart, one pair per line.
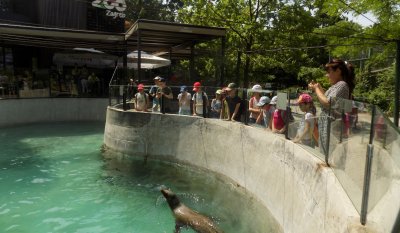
278, 121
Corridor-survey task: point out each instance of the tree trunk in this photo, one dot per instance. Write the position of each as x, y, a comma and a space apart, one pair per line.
238, 62
247, 64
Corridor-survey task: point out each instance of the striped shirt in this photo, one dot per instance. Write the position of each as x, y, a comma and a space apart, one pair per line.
338, 90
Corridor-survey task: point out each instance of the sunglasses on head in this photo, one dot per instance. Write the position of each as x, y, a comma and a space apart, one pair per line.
329, 69
337, 61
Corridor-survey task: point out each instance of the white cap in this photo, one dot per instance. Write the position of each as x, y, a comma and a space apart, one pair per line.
257, 88
274, 100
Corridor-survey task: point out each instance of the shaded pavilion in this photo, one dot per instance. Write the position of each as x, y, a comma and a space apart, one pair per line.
169, 40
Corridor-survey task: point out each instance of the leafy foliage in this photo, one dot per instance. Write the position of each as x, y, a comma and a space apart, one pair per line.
266, 34
286, 41
308, 74
152, 9
381, 88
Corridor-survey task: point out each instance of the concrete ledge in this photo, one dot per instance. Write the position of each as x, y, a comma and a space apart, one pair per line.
302, 195
22, 111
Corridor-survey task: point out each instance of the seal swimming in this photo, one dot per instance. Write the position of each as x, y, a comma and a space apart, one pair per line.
184, 216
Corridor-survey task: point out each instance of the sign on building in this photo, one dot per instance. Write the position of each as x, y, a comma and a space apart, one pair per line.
114, 8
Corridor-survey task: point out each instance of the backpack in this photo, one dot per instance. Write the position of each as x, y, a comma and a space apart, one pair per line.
205, 103
289, 115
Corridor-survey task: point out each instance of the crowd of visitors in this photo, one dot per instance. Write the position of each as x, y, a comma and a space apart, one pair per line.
261, 109
83, 82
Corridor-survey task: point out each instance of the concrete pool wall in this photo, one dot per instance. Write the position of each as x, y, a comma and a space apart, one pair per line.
302, 195
22, 111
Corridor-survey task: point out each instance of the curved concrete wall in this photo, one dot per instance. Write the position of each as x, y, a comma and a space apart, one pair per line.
22, 111
302, 195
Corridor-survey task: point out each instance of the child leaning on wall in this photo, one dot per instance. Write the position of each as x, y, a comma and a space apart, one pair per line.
279, 119
224, 108
200, 100
272, 108
265, 111
141, 99
216, 105
184, 101
307, 123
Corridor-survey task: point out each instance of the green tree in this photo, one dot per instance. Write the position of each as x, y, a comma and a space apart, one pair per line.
264, 36
308, 74
246, 22
289, 39
375, 52
152, 9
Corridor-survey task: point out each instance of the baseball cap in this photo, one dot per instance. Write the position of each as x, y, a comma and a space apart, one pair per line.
157, 78
140, 87
183, 88
274, 100
231, 86
263, 101
218, 92
304, 98
196, 86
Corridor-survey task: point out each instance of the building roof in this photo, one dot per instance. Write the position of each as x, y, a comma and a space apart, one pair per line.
155, 37
50, 37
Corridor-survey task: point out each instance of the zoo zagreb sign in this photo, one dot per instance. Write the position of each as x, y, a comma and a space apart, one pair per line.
114, 8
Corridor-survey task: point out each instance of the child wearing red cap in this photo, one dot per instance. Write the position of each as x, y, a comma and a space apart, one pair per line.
307, 122
141, 99
200, 100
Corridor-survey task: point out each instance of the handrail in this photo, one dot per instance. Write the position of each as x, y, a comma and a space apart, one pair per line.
367, 172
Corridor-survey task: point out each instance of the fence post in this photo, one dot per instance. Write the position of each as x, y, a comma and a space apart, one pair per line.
367, 172
109, 95
162, 106
124, 101
205, 103
342, 124
246, 107
287, 116
367, 181
328, 132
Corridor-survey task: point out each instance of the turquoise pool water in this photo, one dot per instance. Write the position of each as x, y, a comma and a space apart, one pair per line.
55, 178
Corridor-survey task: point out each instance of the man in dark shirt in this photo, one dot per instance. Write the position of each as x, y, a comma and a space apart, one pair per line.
164, 95
234, 102
153, 95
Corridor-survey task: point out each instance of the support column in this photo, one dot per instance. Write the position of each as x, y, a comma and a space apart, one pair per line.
222, 77
238, 62
170, 66
191, 63
125, 62
139, 54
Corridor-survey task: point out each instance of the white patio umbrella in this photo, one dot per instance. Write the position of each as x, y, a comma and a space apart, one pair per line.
89, 57
148, 61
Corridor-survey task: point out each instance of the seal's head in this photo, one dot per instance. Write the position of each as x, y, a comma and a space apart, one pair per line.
172, 199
